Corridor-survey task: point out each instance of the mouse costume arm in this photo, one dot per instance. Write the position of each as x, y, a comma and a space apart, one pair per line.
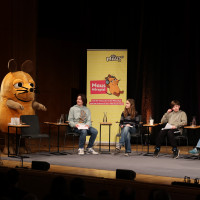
39, 106
14, 105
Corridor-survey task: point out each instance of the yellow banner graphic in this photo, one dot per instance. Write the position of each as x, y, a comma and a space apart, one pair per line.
106, 89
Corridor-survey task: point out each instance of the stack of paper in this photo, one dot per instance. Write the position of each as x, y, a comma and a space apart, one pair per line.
82, 126
168, 126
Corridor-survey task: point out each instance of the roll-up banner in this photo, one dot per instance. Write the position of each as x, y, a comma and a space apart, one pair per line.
106, 89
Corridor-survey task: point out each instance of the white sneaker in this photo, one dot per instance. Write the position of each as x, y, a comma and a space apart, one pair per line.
81, 151
92, 151
118, 148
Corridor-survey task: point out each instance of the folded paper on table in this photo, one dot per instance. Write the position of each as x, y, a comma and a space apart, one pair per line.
167, 126
82, 126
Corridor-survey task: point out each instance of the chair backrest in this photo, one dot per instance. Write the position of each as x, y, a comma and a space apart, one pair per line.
34, 128
138, 118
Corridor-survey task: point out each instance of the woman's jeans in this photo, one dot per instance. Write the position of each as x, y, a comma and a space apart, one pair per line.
83, 133
198, 144
125, 139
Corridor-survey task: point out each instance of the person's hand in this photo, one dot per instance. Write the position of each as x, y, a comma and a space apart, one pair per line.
122, 126
77, 125
169, 110
174, 127
128, 125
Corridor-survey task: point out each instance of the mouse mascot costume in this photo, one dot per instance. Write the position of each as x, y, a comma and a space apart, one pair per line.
17, 96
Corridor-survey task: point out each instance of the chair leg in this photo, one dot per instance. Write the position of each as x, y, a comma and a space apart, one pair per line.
18, 145
29, 145
115, 141
39, 144
137, 145
73, 143
166, 143
64, 142
187, 145
49, 145
141, 138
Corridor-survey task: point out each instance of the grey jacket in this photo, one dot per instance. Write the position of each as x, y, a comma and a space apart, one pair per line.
79, 115
178, 119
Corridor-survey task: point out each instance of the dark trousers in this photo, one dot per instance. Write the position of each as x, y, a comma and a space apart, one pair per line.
169, 133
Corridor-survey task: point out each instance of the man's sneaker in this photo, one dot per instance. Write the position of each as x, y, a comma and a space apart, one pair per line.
194, 151
157, 150
92, 151
81, 151
176, 153
118, 148
127, 154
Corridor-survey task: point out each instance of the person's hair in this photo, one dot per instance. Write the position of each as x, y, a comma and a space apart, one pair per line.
77, 186
130, 110
174, 102
159, 194
83, 98
127, 193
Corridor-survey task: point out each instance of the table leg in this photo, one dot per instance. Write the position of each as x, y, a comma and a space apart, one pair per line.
49, 139
8, 143
104, 152
16, 153
109, 138
58, 137
148, 139
58, 144
100, 140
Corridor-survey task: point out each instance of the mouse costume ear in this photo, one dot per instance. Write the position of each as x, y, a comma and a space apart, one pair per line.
12, 65
27, 66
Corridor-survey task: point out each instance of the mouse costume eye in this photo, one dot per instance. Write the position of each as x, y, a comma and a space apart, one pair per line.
18, 85
31, 84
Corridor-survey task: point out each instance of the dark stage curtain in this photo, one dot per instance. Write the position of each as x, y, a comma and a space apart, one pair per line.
169, 60
162, 38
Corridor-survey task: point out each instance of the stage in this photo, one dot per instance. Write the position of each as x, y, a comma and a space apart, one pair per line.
99, 172
163, 166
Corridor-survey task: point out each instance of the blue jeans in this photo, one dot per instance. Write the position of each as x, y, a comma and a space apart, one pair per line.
126, 137
83, 133
198, 144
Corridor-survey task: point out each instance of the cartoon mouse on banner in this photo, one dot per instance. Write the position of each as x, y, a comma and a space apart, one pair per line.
112, 84
17, 95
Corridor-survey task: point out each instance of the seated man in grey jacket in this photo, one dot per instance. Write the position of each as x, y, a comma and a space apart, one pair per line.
80, 119
175, 119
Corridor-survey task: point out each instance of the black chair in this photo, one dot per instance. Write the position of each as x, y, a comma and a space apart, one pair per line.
32, 132
71, 133
137, 135
180, 138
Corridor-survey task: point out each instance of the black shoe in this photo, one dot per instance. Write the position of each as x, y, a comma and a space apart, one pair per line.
157, 150
176, 153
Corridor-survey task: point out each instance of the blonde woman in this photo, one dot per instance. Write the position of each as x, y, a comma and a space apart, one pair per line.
128, 124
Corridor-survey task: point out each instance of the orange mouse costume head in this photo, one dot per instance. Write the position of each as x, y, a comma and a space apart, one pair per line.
17, 95
18, 86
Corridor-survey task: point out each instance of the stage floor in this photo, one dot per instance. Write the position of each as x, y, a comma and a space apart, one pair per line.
161, 170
